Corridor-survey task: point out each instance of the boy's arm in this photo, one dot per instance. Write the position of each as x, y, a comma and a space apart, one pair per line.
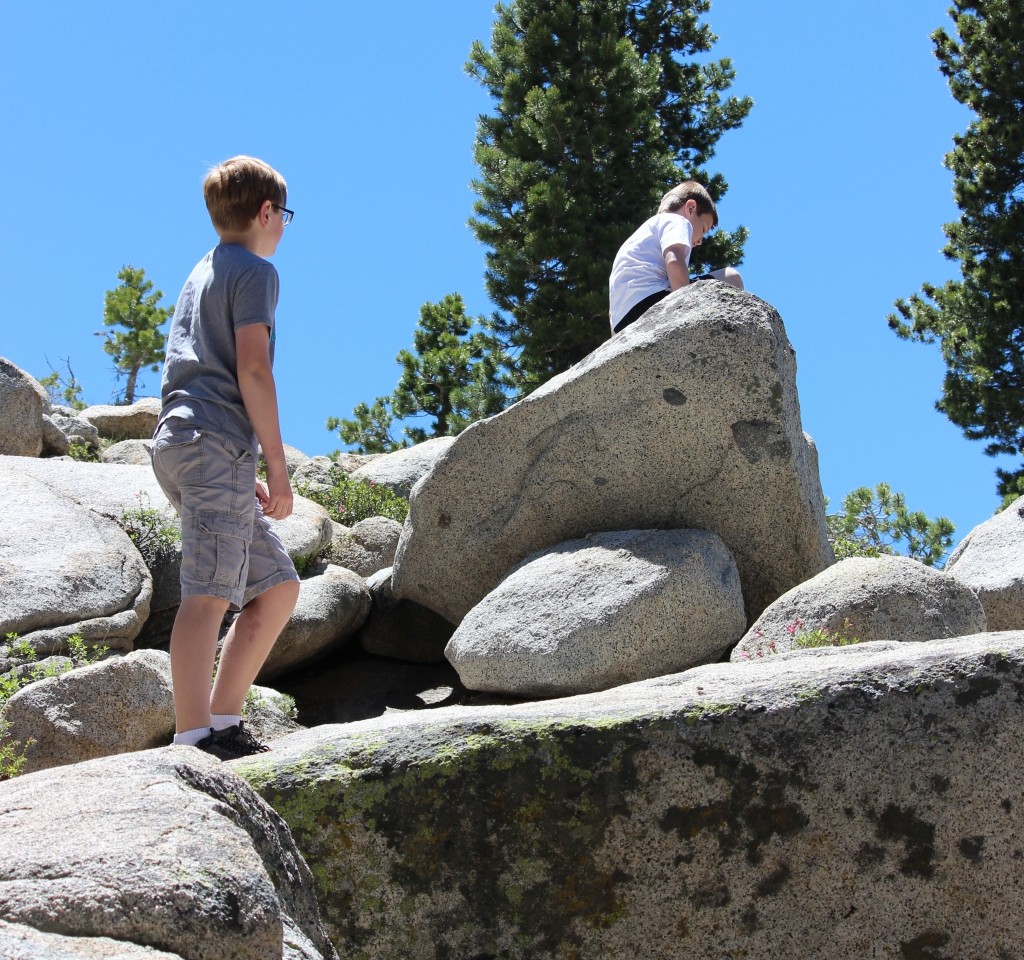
259, 394
676, 265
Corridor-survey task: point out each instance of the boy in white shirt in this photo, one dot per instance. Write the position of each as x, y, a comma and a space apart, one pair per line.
655, 260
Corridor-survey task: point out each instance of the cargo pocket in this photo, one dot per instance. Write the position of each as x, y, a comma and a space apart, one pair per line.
222, 549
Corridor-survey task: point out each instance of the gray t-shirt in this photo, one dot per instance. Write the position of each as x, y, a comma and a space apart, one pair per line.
229, 288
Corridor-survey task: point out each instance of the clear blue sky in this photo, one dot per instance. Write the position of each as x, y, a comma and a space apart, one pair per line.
111, 112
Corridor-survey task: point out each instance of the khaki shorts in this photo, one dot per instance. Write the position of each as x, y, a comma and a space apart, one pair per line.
228, 548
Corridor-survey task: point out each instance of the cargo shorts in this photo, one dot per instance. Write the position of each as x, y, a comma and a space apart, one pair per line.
228, 548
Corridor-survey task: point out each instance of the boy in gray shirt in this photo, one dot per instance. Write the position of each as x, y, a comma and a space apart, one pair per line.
219, 401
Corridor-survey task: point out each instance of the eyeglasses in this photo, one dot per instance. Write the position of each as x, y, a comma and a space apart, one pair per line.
286, 214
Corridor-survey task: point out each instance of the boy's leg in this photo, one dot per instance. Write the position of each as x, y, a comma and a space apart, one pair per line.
193, 649
271, 591
247, 645
211, 483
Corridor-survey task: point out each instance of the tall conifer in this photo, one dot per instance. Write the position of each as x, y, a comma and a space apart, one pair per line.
599, 107
979, 320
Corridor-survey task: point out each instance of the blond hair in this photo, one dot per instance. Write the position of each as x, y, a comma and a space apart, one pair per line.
689, 190
236, 189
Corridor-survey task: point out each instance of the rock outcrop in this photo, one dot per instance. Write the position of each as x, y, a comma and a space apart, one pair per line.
990, 560
366, 547
401, 629
689, 420
606, 610
855, 802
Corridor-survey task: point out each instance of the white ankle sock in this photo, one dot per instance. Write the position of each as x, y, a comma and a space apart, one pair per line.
221, 721
191, 737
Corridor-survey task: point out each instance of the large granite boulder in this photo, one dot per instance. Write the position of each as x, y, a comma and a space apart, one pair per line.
990, 560
23, 403
332, 606
689, 419
399, 471
65, 569
133, 421
854, 802
116, 706
594, 613
165, 850
130, 497
880, 598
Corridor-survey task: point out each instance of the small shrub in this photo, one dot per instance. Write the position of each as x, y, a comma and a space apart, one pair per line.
804, 638
153, 535
348, 501
83, 452
282, 701
12, 753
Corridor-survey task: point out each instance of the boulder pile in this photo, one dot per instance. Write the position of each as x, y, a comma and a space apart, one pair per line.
605, 687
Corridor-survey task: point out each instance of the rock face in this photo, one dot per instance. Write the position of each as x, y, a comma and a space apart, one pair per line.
833, 803
400, 471
704, 385
990, 560
162, 849
116, 706
23, 403
594, 613
882, 598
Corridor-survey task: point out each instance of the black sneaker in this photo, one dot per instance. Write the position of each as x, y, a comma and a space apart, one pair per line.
232, 743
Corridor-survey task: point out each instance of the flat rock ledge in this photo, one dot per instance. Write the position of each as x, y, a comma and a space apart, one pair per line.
854, 802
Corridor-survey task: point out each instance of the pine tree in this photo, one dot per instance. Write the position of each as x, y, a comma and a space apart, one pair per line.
452, 374
132, 306
979, 320
599, 109
875, 523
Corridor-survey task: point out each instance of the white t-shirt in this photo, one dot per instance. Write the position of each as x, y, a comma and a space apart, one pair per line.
639, 268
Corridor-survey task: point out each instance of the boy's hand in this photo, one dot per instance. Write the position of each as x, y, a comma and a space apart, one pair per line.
275, 496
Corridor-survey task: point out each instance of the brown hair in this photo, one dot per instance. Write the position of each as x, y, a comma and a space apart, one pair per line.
689, 190
236, 189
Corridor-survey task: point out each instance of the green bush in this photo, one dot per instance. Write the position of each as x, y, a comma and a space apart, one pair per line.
154, 536
348, 501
